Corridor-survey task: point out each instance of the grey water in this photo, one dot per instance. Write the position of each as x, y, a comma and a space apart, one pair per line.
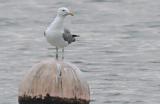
118, 49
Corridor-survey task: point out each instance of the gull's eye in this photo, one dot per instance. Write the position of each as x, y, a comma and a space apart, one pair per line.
63, 10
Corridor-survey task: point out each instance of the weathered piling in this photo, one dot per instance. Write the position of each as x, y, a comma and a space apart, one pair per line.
54, 82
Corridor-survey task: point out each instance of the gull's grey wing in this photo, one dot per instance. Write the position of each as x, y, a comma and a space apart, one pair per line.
67, 36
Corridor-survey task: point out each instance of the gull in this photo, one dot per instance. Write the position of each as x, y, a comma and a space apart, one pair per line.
57, 35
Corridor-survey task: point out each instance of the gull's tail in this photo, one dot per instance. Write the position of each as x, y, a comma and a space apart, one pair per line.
74, 37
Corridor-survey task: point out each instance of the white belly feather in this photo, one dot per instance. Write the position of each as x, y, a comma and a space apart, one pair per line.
56, 39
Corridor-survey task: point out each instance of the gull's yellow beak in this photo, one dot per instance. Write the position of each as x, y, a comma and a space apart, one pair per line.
70, 13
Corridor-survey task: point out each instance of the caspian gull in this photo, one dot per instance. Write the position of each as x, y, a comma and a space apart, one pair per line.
56, 34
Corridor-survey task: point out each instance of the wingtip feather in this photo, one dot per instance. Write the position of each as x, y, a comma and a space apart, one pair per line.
75, 35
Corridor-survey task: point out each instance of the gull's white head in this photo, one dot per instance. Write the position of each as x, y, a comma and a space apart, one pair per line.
64, 12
